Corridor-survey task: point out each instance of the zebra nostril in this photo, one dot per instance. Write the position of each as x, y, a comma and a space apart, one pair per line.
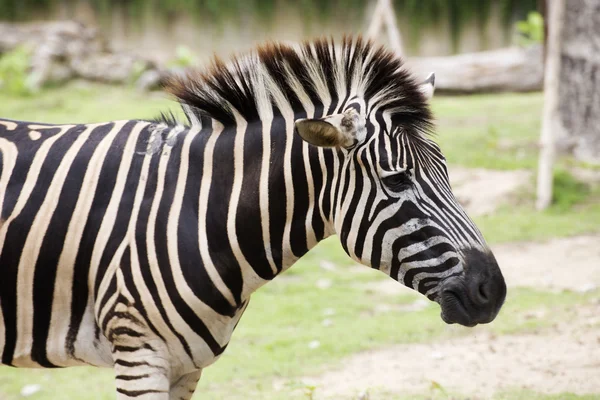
484, 293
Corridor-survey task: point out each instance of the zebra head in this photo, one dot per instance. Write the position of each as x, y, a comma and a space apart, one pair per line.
384, 189
395, 210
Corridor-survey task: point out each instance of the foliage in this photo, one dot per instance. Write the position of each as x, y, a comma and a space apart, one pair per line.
184, 57
568, 191
414, 13
531, 31
15, 78
458, 13
138, 68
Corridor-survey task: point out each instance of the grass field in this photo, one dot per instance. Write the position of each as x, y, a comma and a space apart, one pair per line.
294, 328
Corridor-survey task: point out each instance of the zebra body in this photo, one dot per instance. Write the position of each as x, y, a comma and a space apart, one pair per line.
137, 244
122, 197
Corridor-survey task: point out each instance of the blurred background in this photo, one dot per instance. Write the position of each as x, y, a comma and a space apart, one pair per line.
518, 118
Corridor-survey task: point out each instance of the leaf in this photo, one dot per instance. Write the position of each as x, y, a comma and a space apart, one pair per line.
436, 386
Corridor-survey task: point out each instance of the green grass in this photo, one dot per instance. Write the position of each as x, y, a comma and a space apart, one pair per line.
575, 210
520, 394
272, 342
501, 131
496, 131
84, 102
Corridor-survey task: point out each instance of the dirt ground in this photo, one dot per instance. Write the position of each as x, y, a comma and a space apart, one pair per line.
557, 360
563, 358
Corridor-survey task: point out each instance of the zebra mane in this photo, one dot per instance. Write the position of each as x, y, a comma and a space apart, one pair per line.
277, 77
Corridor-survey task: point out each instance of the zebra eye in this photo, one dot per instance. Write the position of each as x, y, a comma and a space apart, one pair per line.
399, 181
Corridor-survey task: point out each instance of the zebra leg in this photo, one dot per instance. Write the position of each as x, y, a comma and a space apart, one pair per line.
184, 387
141, 358
145, 378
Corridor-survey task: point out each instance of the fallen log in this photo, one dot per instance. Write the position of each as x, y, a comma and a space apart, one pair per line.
506, 70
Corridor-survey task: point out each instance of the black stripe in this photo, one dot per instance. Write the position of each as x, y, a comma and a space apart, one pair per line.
219, 198
405, 212
126, 204
52, 246
443, 267
131, 364
138, 393
131, 377
106, 183
298, 243
317, 222
277, 193
248, 217
27, 150
15, 240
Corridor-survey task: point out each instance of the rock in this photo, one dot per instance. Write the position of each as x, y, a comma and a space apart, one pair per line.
64, 50
324, 283
314, 344
29, 390
149, 80
112, 68
327, 265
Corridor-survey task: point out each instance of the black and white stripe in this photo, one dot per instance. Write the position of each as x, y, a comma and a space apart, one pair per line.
137, 244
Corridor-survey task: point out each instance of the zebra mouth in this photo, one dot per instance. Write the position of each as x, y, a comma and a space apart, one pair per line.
475, 297
454, 310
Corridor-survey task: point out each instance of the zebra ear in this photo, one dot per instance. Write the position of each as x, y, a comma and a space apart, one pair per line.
427, 87
338, 130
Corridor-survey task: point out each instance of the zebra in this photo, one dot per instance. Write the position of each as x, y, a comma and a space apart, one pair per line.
137, 244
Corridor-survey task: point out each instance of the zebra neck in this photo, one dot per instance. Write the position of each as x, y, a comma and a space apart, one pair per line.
267, 199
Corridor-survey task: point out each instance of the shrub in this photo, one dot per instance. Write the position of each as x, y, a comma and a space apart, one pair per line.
531, 31
15, 76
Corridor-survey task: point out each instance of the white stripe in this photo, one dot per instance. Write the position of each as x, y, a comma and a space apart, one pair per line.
9, 153
10, 126
32, 176
31, 250
311, 239
288, 257
59, 325
219, 326
112, 209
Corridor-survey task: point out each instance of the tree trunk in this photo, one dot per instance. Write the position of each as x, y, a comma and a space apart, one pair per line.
550, 118
579, 80
384, 14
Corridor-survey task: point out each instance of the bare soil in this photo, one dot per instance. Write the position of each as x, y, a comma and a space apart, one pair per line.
564, 358
481, 191
558, 360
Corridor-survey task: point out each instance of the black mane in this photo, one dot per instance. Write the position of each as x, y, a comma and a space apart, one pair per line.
316, 70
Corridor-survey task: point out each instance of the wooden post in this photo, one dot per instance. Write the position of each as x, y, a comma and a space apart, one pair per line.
384, 14
550, 119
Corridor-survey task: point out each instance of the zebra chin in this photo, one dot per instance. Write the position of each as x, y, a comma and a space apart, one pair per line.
476, 296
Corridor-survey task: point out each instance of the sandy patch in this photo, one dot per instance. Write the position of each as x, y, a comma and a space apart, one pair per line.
566, 263
562, 359
565, 358
481, 191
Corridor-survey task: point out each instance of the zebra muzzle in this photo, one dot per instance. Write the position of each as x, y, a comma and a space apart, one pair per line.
476, 296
